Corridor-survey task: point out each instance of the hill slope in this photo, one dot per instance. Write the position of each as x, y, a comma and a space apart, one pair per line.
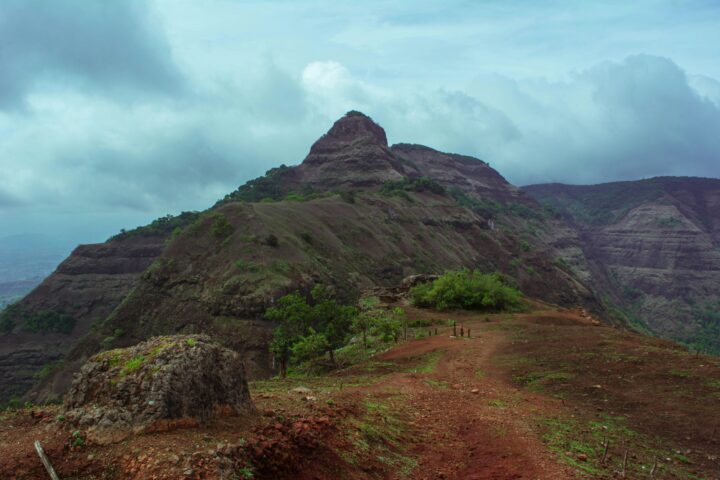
654, 248
355, 214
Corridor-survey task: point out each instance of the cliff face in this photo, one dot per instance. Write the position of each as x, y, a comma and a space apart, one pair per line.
84, 289
355, 214
655, 249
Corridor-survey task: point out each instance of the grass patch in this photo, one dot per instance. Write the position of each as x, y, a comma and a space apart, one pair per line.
572, 438
428, 362
436, 383
378, 434
132, 365
537, 381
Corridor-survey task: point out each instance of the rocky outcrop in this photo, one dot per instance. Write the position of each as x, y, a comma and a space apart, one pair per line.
654, 247
166, 378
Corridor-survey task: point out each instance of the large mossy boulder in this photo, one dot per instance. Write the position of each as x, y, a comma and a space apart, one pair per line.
163, 379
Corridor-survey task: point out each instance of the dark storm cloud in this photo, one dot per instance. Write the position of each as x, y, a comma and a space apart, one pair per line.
130, 109
654, 123
182, 166
615, 121
96, 44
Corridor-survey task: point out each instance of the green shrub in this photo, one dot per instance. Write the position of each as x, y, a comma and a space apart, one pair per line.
485, 207
400, 188
310, 346
47, 321
221, 228
167, 225
7, 322
108, 341
268, 187
470, 290
387, 328
44, 321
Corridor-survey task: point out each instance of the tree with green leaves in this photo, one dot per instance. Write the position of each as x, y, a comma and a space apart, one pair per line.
331, 319
400, 317
292, 315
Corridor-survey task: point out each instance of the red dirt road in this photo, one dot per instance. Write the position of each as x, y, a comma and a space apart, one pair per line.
471, 425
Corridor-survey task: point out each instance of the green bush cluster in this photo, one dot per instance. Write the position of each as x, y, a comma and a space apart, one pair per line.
400, 188
485, 207
269, 186
44, 321
7, 320
308, 330
305, 195
489, 208
470, 290
47, 321
221, 227
706, 337
167, 225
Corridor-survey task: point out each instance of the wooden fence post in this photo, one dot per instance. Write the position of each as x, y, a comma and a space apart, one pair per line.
45, 461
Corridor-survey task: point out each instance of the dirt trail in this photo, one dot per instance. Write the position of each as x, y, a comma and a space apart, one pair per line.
472, 424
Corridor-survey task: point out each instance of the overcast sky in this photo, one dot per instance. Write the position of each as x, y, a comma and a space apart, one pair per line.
115, 112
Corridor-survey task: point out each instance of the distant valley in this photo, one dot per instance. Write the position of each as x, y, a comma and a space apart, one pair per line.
25, 260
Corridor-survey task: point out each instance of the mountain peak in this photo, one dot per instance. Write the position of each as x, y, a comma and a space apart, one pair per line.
353, 127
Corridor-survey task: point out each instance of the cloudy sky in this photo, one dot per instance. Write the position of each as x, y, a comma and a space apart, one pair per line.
113, 113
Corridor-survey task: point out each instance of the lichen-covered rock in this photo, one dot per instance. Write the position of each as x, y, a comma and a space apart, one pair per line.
165, 378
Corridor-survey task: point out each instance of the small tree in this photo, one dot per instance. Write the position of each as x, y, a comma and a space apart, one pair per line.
293, 316
331, 319
281, 347
362, 325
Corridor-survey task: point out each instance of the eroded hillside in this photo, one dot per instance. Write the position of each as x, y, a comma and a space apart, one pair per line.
654, 249
354, 214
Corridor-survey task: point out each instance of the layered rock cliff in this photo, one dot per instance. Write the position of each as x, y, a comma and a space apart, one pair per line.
83, 290
654, 247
